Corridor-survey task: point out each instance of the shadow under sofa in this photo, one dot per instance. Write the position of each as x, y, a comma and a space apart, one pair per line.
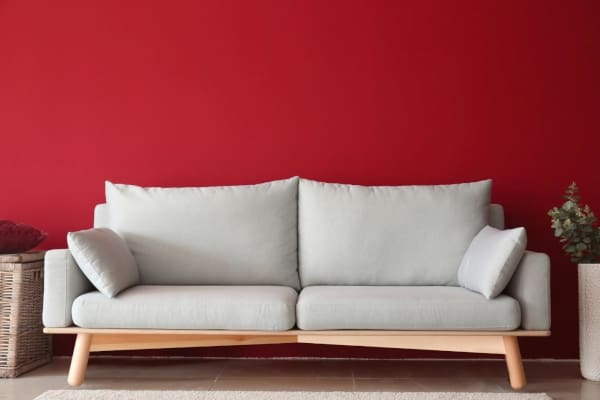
340, 309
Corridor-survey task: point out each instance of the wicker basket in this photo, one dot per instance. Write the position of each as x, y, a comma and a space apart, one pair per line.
23, 345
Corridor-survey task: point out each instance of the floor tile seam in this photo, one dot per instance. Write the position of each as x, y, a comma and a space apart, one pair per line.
219, 375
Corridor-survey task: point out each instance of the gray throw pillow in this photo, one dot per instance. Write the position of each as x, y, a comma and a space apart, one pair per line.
105, 259
491, 260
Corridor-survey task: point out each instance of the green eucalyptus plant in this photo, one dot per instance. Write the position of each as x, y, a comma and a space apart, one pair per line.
575, 225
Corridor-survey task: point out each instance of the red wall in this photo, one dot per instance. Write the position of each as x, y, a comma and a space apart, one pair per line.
368, 92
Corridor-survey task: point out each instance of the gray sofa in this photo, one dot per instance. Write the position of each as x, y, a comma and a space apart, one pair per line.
298, 261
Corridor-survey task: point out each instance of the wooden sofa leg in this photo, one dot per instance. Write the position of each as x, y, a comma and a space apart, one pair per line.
516, 373
79, 362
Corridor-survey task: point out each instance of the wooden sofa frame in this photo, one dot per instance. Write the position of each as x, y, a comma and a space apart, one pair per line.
489, 342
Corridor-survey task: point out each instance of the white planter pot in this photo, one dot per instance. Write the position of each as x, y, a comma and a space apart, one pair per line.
589, 320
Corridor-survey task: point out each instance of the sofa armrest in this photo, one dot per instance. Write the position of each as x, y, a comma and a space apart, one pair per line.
63, 283
530, 286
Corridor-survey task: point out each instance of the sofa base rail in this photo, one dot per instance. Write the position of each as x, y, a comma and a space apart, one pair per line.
488, 342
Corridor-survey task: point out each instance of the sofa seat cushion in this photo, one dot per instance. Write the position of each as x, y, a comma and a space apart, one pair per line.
404, 308
270, 308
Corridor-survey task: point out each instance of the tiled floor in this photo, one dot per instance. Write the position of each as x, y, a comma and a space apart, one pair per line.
561, 380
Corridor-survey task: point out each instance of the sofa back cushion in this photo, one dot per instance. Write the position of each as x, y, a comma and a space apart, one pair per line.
387, 235
230, 235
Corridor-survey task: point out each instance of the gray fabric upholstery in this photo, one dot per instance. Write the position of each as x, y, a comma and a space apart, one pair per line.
270, 308
384, 235
105, 259
229, 235
63, 282
496, 216
101, 216
404, 308
318, 307
530, 285
491, 260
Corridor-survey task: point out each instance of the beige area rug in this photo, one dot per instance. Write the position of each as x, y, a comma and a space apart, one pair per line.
77, 394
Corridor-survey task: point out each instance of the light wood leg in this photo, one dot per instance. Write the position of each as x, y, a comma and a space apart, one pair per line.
516, 373
79, 361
